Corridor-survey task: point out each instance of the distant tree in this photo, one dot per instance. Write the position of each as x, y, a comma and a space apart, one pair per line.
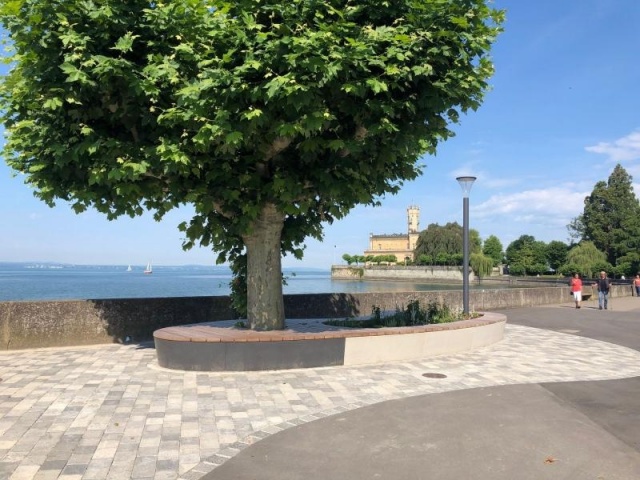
569, 269
439, 241
348, 258
528, 253
493, 249
556, 254
425, 260
517, 269
576, 230
388, 259
622, 268
436, 239
271, 118
587, 259
443, 258
611, 217
628, 264
481, 265
475, 242
538, 269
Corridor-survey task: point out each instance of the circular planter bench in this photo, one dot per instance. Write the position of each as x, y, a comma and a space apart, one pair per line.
218, 346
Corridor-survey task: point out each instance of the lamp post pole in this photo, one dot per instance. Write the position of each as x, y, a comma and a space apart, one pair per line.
465, 183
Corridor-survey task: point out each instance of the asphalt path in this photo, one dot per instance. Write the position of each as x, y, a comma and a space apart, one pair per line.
613, 404
568, 430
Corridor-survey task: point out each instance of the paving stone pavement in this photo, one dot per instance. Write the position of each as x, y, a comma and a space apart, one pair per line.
110, 412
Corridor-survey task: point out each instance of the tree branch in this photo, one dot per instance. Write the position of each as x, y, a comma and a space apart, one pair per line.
278, 145
359, 135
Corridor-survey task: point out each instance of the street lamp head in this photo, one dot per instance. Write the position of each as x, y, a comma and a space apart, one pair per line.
466, 183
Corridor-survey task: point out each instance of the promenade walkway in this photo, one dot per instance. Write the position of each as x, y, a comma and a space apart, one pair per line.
109, 412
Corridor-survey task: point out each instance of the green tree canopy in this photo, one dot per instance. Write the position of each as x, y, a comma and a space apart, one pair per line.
268, 117
611, 217
586, 259
527, 255
493, 249
349, 259
444, 241
628, 264
481, 264
556, 254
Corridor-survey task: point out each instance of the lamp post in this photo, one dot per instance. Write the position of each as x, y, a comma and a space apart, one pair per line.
465, 183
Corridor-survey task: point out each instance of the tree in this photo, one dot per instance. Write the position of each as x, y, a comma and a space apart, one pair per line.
482, 265
628, 264
349, 259
493, 249
556, 254
444, 241
528, 254
269, 117
611, 217
586, 259
475, 242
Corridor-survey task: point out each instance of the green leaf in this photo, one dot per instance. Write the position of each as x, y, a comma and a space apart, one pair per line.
37, 167
234, 138
125, 43
376, 85
52, 103
252, 113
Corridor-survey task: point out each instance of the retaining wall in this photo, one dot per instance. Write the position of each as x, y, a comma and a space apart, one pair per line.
391, 272
86, 322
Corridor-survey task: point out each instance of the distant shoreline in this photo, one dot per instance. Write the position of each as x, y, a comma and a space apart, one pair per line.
49, 264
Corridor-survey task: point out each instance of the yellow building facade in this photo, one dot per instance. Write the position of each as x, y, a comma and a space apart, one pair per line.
401, 245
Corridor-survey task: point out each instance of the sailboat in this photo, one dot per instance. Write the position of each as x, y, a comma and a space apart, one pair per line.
129, 268
149, 269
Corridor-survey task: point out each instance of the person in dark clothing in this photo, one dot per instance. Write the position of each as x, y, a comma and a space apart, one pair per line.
603, 290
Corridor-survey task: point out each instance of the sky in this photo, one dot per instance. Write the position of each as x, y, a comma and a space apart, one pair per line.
563, 110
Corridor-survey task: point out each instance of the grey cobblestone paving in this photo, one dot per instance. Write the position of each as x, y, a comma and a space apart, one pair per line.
109, 412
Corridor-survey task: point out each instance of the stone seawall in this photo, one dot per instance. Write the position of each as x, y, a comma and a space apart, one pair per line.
86, 322
382, 272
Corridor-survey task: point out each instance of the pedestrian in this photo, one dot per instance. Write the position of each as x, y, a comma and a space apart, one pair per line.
576, 288
636, 284
603, 291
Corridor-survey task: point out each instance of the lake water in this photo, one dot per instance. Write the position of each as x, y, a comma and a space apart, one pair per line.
30, 281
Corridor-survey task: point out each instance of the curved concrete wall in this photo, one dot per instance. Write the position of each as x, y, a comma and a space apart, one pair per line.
412, 346
209, 347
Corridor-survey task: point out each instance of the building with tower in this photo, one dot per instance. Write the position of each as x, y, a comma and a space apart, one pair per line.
401, 245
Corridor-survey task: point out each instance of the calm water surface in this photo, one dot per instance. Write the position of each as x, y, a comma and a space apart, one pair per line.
62, 282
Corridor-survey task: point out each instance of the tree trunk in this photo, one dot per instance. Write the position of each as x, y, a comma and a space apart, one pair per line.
265, 305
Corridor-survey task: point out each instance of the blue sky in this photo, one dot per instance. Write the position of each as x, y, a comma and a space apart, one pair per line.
563, 110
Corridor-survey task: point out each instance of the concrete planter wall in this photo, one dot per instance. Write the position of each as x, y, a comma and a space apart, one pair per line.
68, 323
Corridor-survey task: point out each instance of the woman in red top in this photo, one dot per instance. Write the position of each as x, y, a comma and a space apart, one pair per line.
636, 283
576, 289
